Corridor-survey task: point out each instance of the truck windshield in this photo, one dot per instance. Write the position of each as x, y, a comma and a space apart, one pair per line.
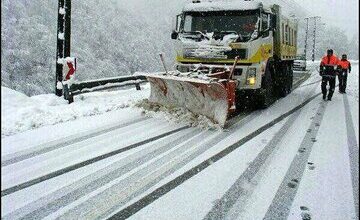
243, 23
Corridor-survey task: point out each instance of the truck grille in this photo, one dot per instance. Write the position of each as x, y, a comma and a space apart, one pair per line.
236, 52
215, 53
205, 53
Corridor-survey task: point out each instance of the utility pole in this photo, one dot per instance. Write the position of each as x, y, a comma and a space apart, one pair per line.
314, 36
63, 42
59, 48
314, 39
67, 46
306, 35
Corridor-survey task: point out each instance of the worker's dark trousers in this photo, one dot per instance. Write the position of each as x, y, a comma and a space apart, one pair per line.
325, 80
342, 81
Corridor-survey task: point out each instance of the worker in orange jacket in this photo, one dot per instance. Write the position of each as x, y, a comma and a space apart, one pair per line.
345, 69
328, 70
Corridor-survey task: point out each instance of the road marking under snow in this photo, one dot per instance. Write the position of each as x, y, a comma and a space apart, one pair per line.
281, 204
353, 154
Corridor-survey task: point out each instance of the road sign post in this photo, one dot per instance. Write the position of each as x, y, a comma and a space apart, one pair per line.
68, 75
59, 48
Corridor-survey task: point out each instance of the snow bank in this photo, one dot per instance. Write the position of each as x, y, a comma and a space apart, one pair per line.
20, 112
178, 115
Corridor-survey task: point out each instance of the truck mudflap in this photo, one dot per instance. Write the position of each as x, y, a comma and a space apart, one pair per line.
212, 97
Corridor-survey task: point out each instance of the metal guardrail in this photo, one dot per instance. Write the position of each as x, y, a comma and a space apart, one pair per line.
101, 84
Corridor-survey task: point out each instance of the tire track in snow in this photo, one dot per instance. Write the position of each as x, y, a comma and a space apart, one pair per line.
57, 144
121, 192
308, 84
64, 196
240, 190
85, 163
281, 204
238, 193
353, 154
159, 192
236, 118
42, 165
42, 207
302, 79
136, 185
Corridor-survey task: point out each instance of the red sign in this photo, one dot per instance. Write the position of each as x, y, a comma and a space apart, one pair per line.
71, 64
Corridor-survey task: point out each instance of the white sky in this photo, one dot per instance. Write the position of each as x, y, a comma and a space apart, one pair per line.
341, 13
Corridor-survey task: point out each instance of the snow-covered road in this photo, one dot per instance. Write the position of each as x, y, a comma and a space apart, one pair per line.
275, 163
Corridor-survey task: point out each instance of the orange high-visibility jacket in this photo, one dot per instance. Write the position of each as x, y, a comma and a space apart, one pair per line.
329, 61
345, 64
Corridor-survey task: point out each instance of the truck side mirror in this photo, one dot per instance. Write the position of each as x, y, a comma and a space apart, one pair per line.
174, 35
272, 22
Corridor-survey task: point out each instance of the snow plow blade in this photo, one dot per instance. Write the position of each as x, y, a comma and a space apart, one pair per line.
211, 97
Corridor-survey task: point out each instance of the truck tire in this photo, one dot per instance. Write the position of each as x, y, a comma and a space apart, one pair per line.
286, 83
291, 78
266, 94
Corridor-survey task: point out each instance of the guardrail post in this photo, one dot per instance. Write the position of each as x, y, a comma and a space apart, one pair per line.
71, 98
67, 94
137, 85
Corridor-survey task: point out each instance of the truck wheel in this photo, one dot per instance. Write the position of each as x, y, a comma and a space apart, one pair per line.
286, 84
265, 97
291, 79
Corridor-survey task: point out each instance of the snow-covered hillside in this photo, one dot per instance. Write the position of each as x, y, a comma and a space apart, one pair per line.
109, 38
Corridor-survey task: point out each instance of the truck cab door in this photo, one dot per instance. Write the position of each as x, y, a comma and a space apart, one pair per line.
175, 32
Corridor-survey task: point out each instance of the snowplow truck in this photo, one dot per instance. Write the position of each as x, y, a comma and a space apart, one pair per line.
227, 50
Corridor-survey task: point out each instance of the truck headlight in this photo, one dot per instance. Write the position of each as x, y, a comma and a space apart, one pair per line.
251, 76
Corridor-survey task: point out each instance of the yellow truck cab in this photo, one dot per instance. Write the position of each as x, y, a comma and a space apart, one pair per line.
212, 34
